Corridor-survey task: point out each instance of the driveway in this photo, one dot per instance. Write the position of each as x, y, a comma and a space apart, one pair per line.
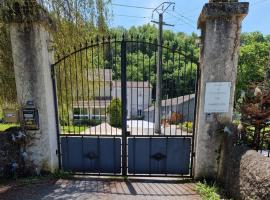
135, 127
93, 188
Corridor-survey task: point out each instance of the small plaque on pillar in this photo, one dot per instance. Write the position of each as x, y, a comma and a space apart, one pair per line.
217, 97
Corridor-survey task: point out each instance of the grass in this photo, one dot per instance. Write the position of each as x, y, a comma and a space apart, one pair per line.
4, 127
209, 191
73, 129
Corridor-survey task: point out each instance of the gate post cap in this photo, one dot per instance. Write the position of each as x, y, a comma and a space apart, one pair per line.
27, 12
222, 9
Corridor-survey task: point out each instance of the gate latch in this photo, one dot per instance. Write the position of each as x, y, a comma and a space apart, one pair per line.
92, 156
158, 156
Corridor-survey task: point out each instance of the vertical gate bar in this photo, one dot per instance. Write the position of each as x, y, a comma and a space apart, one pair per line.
66, 89
137, 44
65, 85
191, 89
124, 104
59, 152
98, 150
155, 80
62, 109
195, 117
165, 90
60, 93
144, 48
105, 82
115, 72
110, 67
166, 158
71, 91
178, 91
114, 155
149, 82
131, 89
174, 92
93, 86
82, 91
77, 91
98, 65
88, 89
134, 155
184, 77
82, 84
150, 152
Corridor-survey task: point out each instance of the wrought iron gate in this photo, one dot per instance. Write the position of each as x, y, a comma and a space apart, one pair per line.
105, 102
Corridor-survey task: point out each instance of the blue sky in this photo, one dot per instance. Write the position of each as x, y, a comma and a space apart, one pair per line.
186, 14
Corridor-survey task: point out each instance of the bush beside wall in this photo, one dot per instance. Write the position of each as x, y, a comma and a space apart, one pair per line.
244, 173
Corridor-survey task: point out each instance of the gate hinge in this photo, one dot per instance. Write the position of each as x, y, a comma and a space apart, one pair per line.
193, 154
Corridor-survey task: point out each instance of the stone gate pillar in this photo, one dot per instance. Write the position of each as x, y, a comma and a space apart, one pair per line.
32, 56
220, 24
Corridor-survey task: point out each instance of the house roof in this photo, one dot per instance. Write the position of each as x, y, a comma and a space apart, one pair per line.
173, 101
132, 84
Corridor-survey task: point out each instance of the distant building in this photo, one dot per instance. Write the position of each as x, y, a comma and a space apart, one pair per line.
183, 105
139, 97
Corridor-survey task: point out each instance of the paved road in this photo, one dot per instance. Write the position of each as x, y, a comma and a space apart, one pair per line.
92, 188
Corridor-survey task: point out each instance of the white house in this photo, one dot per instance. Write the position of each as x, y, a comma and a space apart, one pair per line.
139, 96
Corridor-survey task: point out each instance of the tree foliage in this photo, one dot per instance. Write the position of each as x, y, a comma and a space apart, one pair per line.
76, 22
253, 60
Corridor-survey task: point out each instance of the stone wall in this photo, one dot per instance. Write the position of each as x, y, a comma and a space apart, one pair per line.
245, 173
13, 155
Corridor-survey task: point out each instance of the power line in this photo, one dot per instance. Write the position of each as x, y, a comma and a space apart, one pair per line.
132, 16
129, 6
183, 20
188, 19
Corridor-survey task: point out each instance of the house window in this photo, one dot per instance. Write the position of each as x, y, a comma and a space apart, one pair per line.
76, 111
80, 113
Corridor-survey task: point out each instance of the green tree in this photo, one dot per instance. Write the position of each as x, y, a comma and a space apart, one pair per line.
253, 60
115, 113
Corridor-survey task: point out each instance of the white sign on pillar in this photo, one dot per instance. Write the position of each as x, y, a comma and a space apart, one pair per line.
217, 97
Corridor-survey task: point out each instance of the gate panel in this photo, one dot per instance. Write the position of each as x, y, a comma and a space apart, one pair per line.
159, 155
106, 104
92, 155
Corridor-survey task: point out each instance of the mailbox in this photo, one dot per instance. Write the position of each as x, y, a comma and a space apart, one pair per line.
30, 117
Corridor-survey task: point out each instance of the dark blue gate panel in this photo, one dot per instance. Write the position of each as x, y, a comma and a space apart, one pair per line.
159, 155
93, 155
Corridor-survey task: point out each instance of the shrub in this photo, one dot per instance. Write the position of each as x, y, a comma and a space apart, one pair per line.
87, 122
115, 113
186, 126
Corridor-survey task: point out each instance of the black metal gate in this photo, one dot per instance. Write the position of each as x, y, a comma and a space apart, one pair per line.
105, 95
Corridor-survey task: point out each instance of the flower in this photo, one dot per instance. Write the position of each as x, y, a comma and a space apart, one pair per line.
240, 126
257, 92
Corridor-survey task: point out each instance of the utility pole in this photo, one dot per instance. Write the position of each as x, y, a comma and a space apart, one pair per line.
160, 10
